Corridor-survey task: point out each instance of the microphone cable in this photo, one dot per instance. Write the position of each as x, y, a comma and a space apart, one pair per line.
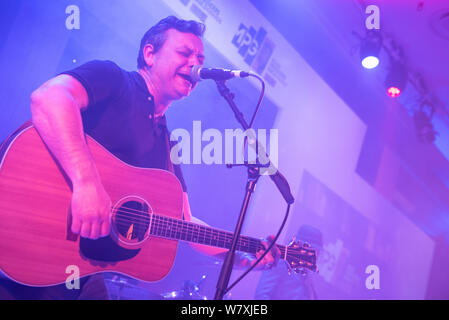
262, 92
264, 254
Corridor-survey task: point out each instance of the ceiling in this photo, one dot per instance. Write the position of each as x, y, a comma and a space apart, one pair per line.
420, 28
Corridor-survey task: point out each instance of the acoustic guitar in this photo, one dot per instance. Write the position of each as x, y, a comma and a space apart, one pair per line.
37, 246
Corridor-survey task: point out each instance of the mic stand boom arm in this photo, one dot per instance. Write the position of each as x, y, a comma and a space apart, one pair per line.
253, 176
276, 176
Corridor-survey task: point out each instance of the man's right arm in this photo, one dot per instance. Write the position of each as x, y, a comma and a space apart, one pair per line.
56, 113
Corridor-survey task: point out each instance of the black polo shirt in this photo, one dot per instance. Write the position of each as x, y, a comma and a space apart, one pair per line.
120, 116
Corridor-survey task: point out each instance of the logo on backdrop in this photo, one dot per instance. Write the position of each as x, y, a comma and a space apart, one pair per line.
203, 8
254, 46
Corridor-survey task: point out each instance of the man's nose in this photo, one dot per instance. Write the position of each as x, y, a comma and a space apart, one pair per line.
194, 61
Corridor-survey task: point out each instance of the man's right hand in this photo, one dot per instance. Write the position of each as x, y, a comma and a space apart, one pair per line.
91, 210
56, 113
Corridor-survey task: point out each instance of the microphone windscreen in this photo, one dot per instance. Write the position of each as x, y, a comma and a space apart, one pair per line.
195, 73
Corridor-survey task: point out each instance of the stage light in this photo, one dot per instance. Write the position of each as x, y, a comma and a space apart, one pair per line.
396, 78
423, 123
370, 48
393, 92
370, 62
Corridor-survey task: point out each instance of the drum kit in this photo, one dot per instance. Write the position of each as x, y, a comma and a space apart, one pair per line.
189, 291
124, 288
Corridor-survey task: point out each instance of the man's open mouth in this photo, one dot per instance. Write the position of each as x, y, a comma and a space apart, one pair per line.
187, 78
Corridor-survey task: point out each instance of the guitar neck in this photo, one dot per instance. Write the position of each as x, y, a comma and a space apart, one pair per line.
170, 228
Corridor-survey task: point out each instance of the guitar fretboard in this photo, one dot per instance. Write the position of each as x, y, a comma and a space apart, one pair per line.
170, 228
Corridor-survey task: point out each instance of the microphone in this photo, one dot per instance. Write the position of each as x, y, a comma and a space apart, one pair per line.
199, 73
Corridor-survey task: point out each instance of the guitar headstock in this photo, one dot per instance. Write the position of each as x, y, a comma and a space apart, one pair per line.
300, 256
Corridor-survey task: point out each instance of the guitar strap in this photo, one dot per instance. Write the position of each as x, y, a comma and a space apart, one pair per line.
169, 164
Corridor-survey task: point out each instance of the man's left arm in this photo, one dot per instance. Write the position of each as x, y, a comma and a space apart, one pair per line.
242, 260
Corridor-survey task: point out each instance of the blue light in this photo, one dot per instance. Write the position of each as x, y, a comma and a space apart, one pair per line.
370, 62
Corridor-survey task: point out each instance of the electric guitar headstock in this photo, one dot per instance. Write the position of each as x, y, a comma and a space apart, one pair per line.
300, 257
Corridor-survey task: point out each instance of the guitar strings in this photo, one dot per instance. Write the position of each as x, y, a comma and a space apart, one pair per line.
145, 219
134, 212
190, 227
183, 229
160, 229
220, 242
252, 247
159, 221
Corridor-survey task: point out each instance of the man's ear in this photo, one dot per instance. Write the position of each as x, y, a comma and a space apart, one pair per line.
148, 54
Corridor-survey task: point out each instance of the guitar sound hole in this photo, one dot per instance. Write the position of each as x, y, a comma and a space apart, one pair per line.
132, 221
130, 226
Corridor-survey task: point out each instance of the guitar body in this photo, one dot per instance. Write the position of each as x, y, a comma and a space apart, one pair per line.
36, 245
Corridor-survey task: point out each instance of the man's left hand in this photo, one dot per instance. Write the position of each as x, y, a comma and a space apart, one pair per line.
270, 260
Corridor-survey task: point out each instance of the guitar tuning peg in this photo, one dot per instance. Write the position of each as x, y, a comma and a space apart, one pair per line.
306, 245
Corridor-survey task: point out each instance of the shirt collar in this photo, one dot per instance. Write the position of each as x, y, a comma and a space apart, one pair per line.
162, 121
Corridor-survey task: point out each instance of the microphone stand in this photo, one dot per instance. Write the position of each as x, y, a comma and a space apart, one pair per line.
253, 177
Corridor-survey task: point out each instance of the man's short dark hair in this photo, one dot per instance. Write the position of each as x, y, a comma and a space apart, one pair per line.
156, 34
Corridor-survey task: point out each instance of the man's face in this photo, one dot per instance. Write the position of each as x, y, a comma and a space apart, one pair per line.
173, 61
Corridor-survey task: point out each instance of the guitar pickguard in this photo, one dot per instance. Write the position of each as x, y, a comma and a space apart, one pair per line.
105, 250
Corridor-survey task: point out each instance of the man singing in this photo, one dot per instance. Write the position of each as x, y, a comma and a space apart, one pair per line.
124, 112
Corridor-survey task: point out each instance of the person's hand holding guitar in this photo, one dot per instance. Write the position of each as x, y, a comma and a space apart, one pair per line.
91, 209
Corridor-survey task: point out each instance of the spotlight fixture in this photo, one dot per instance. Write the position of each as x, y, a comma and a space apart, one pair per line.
370, 48
394, 92
423, 124
396, 78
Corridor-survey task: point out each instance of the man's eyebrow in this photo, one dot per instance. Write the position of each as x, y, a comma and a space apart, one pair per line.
200, 55
184, 47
